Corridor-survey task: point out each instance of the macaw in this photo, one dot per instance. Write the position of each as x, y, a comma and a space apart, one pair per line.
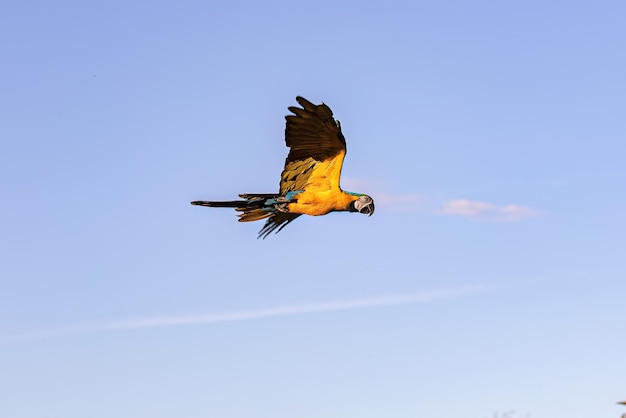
309, 183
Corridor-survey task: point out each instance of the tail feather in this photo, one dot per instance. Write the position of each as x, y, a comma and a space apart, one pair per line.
255, 207
229, 204
251, 215
257, 196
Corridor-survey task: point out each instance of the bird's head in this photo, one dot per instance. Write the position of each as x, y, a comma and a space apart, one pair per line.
364, 204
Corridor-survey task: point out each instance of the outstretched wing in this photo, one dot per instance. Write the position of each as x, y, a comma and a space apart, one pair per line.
317, 148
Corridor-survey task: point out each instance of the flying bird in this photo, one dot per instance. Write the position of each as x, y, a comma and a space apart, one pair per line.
309, 183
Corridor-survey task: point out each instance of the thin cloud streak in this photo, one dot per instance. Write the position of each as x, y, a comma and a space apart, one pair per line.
204, 319
487, 211
392, 300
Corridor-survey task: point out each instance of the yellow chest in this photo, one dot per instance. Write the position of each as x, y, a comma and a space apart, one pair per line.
316, 204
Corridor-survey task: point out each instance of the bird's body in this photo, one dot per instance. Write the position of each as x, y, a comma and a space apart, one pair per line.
309, 182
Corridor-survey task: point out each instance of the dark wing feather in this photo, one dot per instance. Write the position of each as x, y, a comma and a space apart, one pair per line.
279, 220
312, 132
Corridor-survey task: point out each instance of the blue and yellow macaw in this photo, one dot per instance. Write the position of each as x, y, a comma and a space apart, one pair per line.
309, 183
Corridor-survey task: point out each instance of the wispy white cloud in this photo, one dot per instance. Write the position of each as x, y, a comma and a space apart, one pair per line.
213, 318
487, 211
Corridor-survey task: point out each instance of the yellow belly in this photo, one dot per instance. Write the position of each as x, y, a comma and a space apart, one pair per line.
316, 204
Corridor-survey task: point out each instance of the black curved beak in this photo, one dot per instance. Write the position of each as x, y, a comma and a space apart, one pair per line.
368, 210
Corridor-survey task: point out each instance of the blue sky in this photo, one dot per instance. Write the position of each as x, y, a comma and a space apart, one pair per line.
489, 282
